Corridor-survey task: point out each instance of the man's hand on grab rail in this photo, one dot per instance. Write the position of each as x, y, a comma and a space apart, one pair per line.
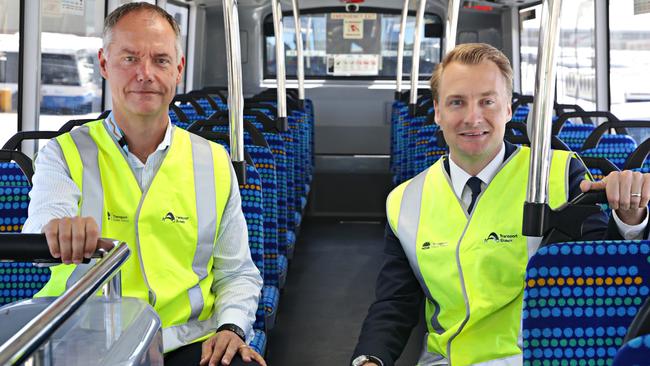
628, 193
72, 238
222, 347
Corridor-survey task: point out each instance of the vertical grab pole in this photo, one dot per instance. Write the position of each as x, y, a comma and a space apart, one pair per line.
280, 70
451, 27
400, 50
235, 93
536, 208
300, 54
415, 68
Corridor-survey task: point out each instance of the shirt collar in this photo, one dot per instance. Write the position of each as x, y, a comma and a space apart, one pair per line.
459, 177
116, 133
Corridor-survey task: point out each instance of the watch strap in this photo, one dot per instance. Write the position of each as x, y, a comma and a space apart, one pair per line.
233, 328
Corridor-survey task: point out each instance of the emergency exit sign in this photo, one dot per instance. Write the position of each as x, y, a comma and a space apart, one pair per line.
641, 7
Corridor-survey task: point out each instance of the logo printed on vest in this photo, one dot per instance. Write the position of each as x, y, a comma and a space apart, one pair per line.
428, 245
175, 219
116, 218
503, 238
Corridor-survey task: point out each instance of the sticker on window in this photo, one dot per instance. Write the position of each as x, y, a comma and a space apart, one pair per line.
353, 65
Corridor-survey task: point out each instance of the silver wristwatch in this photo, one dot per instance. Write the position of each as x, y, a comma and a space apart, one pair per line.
364, 359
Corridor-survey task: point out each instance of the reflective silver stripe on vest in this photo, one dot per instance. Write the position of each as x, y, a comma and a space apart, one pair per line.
407, 231
206, 217
92, 192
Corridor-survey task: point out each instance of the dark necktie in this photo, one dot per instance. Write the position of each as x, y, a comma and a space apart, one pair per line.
474, 185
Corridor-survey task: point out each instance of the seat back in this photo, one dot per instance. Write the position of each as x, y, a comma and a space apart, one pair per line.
580, 299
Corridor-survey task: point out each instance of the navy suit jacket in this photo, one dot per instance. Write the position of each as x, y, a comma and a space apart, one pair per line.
399, 298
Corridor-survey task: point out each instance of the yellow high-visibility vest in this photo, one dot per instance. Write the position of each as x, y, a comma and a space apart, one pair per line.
171, 228
471, 268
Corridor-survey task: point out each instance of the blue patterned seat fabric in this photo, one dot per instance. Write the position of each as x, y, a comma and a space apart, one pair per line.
580, 299
575, 134
17, 280
615, 148
636, 352
258, 343
521, 113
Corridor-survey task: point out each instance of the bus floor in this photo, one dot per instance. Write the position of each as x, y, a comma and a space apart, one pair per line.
328, 291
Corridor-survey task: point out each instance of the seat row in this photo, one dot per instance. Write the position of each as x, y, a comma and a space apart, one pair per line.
416, 142
274, 195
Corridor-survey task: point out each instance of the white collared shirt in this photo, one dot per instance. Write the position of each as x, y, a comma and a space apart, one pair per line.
459, 179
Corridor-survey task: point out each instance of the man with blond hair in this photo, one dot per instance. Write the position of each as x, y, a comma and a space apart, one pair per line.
438, 248
171, 196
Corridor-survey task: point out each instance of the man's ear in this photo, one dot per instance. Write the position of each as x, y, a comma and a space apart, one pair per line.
180, 67
101, 55
436, 112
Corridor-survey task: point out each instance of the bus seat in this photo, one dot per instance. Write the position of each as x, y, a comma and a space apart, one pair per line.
580, 298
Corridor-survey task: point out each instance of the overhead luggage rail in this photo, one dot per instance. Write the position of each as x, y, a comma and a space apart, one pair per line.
24, 343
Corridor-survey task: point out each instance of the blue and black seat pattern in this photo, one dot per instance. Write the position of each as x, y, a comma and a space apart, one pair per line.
580, 298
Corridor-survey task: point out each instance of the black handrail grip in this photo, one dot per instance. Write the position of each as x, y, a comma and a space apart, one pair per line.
594, 138
68, 126
603, 164
202, 94
24, 162
252, 105
14, 142
185, 98
179, 113
423, 109
19, 247
221, 119
559, 124
292, 105
268, 124
638, 156
223, 137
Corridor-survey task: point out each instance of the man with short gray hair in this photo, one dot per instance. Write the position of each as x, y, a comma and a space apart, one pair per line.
170, 195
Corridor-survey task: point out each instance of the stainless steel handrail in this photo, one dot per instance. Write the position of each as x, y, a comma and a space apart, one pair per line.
415, 67
451, 26
299, 51
400, 49
20, 347
540, 157
235, 91
280, 71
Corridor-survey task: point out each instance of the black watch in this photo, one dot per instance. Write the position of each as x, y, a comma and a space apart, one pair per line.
233, 328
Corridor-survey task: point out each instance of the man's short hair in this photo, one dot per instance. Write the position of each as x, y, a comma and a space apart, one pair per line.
473, 54
117, 14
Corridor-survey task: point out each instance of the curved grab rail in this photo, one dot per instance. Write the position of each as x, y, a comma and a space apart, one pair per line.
562, 118
21, 346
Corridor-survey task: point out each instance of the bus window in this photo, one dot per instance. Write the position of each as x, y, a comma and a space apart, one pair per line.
71, 85
576, 57
629, 60
353, 44
9, 40
529, 19
181, 12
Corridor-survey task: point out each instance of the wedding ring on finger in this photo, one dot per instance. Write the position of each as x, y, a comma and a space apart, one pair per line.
635, 195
